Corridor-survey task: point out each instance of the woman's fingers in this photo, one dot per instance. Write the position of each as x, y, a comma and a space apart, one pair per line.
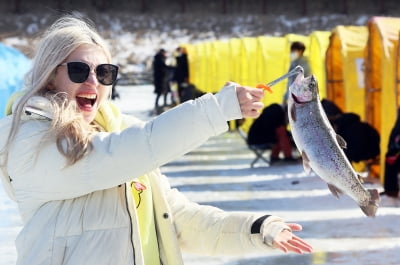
250, 101
295, 227
288, 242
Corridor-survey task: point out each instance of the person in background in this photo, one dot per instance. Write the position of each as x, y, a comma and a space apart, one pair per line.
270, 129
332, 111
392, 162
181, 73
361, 138
297, 57
161, 78
86, 177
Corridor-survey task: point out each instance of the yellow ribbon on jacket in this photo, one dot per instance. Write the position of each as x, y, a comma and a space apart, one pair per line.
110, 118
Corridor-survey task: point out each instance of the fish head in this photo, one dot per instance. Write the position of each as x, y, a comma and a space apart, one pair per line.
304, 89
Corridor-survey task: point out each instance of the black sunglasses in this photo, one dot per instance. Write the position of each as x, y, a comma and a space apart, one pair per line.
78, 72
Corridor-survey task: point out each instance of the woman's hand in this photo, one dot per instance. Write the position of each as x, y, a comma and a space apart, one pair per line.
249, 100
287, 241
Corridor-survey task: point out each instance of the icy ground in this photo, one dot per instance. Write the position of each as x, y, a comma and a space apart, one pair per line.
218, 173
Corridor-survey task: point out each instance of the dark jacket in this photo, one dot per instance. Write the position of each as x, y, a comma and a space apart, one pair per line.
262, 131
160, 73
361, 138
181, 71
394, 139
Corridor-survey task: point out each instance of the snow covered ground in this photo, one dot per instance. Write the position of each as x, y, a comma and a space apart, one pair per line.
218, 173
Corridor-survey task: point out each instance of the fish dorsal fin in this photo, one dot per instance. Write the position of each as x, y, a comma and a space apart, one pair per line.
342, 143
306, 162
334, 190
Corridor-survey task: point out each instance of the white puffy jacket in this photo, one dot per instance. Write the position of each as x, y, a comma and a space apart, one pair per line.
83, 214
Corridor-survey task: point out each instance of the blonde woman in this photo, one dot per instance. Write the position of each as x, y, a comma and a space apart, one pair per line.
86, 177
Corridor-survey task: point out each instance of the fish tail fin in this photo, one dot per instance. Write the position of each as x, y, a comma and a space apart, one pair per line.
373, 205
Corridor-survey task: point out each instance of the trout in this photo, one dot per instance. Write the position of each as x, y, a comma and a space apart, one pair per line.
321, 148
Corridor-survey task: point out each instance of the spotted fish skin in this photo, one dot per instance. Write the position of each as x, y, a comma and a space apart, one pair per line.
321, 148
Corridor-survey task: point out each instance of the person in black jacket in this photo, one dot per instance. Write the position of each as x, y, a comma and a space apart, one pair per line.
392, 162
181, 74
362, 139
161, 77
270, 129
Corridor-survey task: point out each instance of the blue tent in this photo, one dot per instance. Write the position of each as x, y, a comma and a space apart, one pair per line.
13, 66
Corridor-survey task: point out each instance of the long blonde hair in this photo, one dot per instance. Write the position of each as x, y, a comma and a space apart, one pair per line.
71, 131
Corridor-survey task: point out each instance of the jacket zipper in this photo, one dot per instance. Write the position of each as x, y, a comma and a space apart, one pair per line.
130, 220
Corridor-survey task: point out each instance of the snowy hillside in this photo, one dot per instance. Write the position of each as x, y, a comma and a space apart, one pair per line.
135, 38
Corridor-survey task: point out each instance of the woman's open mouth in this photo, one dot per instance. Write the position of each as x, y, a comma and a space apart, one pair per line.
86, 101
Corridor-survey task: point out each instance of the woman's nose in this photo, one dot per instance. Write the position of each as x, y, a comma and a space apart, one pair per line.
92, 79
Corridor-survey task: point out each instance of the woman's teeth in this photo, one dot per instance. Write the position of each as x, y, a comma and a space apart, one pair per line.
86, 99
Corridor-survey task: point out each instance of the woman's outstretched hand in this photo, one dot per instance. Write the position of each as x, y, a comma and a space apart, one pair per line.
249, 100
288, 242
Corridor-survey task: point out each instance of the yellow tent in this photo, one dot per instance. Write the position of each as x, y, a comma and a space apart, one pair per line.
344, 68
235, 45
249, 61
398, 72
210, 68
275, 61
195, 55
222, 71
270, 65
210, 65
192, 61
380, 81
204, 64
319, 41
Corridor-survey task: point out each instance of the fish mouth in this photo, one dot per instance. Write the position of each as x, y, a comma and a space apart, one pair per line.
294, 87
295, 99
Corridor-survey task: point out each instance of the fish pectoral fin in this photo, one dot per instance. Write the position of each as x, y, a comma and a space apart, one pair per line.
342, 143
335, 190
306, 162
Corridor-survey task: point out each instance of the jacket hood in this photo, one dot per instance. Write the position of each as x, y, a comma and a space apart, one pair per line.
39, 108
